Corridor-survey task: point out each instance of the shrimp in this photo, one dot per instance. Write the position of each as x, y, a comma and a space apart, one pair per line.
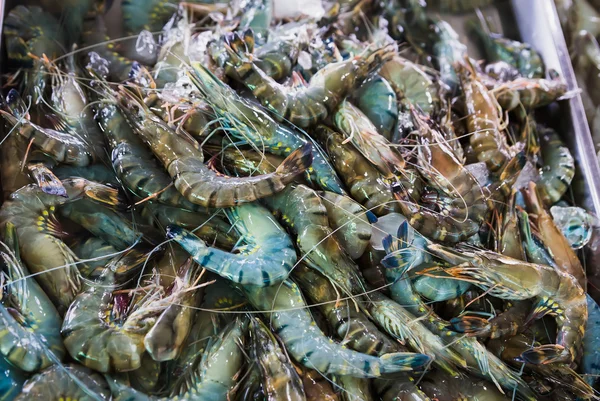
266, 259
214, 377
363, 181
97, 331
301, 210
355, 389
63, 147
449, 176
405, 327
413, 86
290, 319
251, 124
134, 165
530, 93
399, 389
183, 158
378, 100
521, 56
350, 221
564, 256
209, 227
316, 386
29, 323
30, 34
440, 386
478, 359
558, 171
94, 34
67, 382
558, 293
558, 375
358, 129
11, 380
484, 122
103, 223
167, 336
280, 379
309, 105
351, 327
33, 214
276, 58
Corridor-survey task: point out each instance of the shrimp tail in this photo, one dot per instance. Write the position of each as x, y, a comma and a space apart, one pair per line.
544, 354
545, 306
399, 253
188, 241
470, 325
410, 361
46, 180
102, 194
297, 162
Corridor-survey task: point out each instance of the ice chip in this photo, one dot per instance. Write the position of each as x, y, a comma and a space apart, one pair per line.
575, 223
480, 172
145, 45
528, 174
97, 64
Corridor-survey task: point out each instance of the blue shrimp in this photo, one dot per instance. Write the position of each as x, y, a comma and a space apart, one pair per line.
266, 259
291, 320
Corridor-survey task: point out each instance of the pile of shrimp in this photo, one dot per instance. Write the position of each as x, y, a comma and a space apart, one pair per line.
228, 202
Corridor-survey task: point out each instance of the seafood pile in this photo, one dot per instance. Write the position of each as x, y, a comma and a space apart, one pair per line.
238, 202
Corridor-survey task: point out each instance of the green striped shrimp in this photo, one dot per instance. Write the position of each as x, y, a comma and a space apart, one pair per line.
280, 381
214, 377
352, 327
412, 85
29, 322
363, 181
478, 359
183, 158
101, 330
290, 319
301, 210
33, 213
378, 100
307, 106
63, 147
358, 129
266, 258
68, 382
350, 221
250, 124
559, 167
557, 293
